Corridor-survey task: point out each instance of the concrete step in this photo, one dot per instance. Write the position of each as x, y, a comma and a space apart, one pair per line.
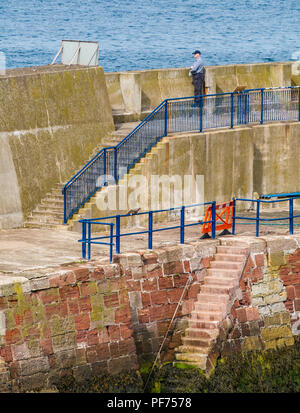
191, 349
37, 224
229, 257
221, 298
43, 208
44, 219
200, 365
44, 211
53, 198
217, 289
196, 342
229, 281
203, 324
222, 249
226, 265
207, 316
224, 272
199, 358
200, 306
47, 214
52, 202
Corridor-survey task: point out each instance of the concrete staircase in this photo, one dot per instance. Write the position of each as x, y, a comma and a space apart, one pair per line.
90, 209
49, 214
213, 304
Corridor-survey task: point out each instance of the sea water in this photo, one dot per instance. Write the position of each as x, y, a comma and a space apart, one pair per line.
149, 34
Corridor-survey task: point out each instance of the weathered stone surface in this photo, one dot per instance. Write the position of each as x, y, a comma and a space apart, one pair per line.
251, 343
272, 333
32, 366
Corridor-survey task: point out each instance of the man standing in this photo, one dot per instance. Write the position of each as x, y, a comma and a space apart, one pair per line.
198, 72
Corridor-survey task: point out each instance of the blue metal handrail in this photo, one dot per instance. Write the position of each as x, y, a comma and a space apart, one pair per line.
88, 240
179, 115
86, 223
258, 219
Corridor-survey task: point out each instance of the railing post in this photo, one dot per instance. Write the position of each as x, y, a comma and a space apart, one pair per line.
166, 118
150, 229
248, 107
231, 111
213, 217
65, 205
262, 107
118, 234
83, 245
116, 164
233, 216
245, 101
201, 114
291, 215
111, 242
257, 217
104, 167
182, 225
299, 103
89, 240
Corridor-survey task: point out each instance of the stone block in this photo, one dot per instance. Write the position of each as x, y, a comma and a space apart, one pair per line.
65, 358
8, 285
276, 259
260, 289
277, 307
165, 282
258, 301
277, 245
259, 260
174, 253
270, 345
64, 341
159, 297
174, 267
272, 333
285, 317
273, 320
2, 323
252, 314
275, 298
20, 351
251, 343
285, 342
135, 299
39, 284
297, 304
34, 365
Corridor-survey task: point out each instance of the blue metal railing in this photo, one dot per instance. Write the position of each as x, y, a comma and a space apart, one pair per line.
179, 115
87, 240
257, 220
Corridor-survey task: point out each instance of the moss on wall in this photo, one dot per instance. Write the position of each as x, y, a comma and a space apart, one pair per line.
52, 122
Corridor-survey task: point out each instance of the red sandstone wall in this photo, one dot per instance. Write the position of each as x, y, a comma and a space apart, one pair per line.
95, 318
266, 314
155, 283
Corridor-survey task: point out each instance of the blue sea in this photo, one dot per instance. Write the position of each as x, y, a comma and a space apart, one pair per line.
150, 34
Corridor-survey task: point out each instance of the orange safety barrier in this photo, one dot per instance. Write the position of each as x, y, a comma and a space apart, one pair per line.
226, 222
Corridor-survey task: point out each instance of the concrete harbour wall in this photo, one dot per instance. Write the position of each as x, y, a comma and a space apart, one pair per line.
53, 118
134, 94
228, 162
49, 124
